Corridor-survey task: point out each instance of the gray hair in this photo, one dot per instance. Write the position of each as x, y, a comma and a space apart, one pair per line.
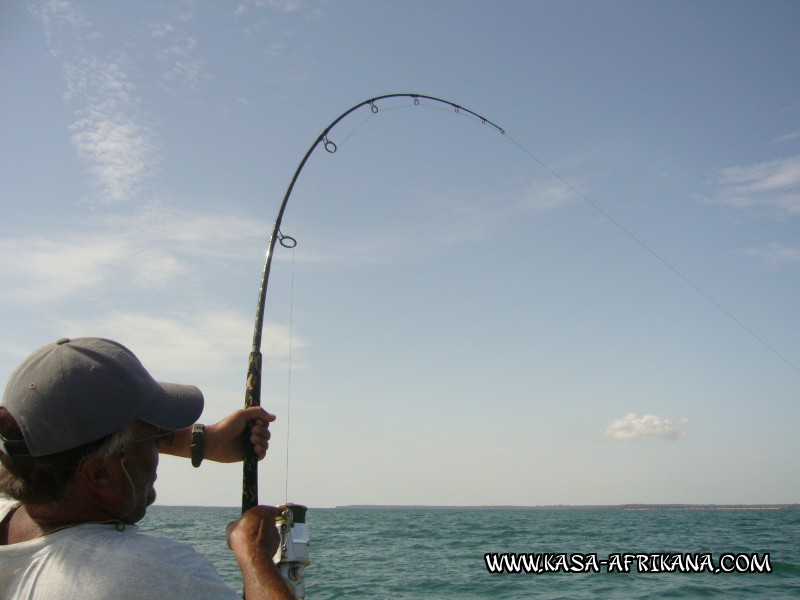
46, 479
116, 442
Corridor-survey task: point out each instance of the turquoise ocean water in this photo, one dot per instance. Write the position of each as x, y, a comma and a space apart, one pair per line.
410, 553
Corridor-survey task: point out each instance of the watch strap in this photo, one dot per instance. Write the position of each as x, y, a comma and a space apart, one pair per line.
198, 439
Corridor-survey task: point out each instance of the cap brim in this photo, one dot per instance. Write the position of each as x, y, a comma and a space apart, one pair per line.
179, 406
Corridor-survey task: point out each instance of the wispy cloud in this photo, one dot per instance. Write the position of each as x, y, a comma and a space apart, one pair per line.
773, 186
195, 233
545, 196
193, 344
121, 152
145, 250
58, 16
633, 427
43, 269
794, 135
244, 6
108, 134
176, 51
365, 251
776, 254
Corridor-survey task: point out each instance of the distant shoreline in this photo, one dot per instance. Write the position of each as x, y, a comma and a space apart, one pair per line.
794, 506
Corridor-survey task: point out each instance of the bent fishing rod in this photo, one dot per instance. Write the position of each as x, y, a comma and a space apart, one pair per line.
292, 556
253, 385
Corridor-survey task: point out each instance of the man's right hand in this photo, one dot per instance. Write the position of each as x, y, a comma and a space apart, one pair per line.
254, 540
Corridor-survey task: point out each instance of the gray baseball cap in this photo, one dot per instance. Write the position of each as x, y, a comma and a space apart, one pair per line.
76, 391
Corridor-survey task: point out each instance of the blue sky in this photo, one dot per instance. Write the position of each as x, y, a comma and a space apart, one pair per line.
600, 306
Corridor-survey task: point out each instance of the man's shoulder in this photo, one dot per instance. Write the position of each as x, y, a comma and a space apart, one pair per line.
131, 558
101, 561
109, 541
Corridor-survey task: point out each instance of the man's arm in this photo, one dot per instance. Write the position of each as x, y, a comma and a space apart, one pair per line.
254, 540
223, 440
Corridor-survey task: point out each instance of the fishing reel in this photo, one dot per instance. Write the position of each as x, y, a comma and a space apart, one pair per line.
292, 555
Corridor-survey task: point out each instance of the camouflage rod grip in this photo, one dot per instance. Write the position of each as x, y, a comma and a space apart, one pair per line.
250, 467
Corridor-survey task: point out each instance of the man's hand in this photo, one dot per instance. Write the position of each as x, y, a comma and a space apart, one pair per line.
254, 540
223, 440
255, 531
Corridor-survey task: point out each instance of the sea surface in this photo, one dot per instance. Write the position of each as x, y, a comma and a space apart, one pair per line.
412, 553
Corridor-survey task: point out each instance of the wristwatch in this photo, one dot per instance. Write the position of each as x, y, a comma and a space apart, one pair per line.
198, 437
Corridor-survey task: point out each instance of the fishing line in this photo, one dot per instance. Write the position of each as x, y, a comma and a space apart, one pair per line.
448, 107
654, 254
318, 186
289, 390
352, 133
458, 110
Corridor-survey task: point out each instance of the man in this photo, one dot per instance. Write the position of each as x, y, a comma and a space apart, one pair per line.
81, 426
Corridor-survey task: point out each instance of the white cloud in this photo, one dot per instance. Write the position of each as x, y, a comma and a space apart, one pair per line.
776, 254
44, 269
309, 10
773, 185
152, 268
193, 344
108, 134
191, 233
366, 251
633, 427
120, 153
177, 52
283, 5
544, 196
145, 250
787, 137
57, 14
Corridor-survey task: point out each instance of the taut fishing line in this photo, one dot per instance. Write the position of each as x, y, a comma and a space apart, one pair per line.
289, 390
677, 272
655, 255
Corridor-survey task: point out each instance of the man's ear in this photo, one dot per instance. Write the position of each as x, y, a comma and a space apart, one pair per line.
101, 474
